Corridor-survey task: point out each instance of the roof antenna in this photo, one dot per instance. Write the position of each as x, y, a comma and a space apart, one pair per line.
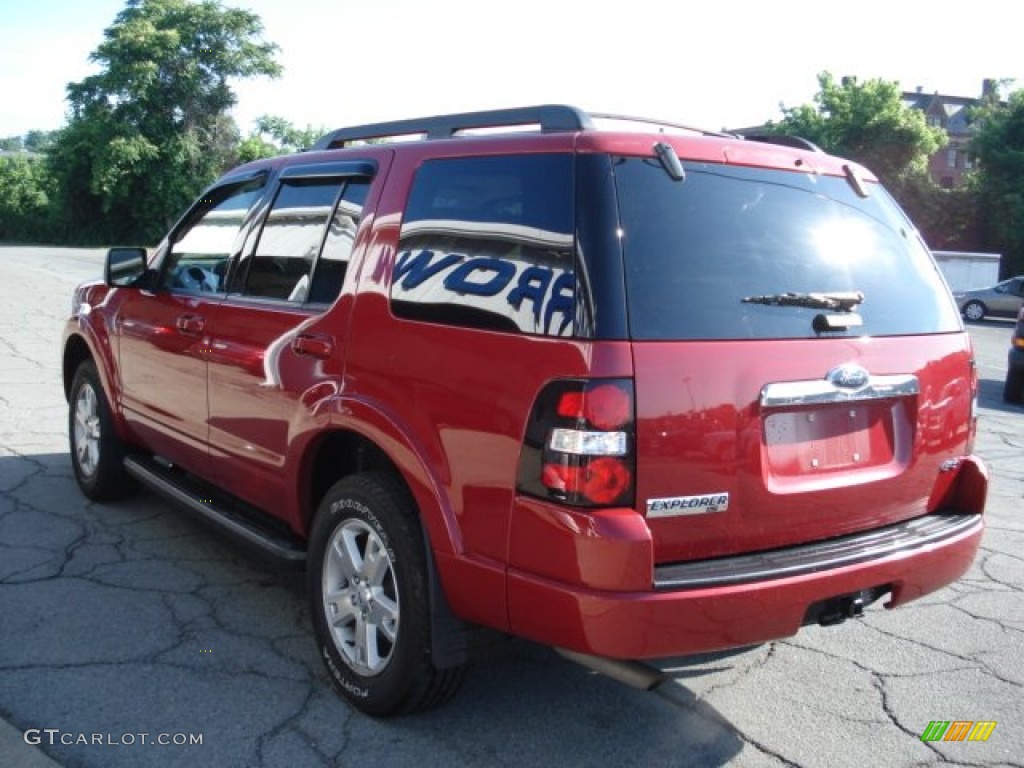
670, 161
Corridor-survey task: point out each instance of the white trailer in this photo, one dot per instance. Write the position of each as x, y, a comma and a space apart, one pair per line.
965, 271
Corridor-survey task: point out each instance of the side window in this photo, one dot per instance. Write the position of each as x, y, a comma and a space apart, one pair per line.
487, 242
202, 247
292, 234
329, 273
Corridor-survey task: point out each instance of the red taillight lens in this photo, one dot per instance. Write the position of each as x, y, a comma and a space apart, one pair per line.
604, 406
579, 446
570, 405
599, 481
608, 406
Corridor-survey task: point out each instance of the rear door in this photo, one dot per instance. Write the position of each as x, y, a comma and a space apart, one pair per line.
273, 340
801, 371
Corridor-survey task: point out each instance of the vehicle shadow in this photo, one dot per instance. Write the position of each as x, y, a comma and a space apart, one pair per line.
527, 706
990, 397
155, 601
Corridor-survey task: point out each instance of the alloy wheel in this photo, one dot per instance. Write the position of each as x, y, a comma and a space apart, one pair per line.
360, 597
87, 430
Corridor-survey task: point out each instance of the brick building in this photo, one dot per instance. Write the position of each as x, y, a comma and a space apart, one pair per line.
951, 113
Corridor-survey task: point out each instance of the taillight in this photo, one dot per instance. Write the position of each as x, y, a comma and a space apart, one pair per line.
579, 444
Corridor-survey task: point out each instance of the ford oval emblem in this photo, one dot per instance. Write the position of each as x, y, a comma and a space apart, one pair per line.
848, 376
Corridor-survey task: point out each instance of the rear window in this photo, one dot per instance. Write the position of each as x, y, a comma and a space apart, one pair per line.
695, 249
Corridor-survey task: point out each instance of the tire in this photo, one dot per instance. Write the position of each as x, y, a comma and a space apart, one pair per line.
974, 310
97, 453
1013, 390
369, 595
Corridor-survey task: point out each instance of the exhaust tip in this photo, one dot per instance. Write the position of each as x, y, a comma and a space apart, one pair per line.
635, 674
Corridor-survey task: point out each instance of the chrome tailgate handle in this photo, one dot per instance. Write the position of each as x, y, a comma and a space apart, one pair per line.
824, 391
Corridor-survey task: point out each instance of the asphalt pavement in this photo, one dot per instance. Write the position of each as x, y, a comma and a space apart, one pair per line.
131, 635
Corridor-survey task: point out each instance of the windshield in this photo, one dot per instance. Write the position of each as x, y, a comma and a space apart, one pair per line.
697, 251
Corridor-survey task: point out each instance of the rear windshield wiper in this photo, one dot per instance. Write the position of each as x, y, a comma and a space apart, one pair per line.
843, 302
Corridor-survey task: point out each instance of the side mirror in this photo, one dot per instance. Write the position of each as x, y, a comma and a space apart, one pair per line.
124, 266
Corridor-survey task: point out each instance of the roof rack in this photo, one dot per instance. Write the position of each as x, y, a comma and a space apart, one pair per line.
796, 142
551, 118
662, 124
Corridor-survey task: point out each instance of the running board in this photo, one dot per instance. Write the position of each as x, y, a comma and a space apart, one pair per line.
172, 486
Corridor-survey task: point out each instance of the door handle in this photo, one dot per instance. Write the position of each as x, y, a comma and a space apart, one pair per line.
313, 345
191, 324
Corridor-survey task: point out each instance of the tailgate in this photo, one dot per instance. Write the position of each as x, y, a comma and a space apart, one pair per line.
752, 445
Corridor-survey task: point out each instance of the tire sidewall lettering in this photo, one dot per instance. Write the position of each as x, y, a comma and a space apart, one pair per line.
341, 505
340, 676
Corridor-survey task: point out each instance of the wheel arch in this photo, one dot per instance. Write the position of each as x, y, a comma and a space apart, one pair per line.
356, 436
332, 455
80, 345
76, 352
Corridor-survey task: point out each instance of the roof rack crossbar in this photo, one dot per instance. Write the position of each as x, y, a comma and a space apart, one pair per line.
552, 118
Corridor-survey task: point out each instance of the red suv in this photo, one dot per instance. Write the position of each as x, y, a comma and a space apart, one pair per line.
625, 388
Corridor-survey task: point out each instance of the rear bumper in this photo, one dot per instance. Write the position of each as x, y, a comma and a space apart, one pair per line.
724, 613
820, 556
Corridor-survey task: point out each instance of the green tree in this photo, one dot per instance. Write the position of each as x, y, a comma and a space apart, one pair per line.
949, 219
999, 180
33, 141
287, 136
39, 141
866, 122
274, 135
24, 198
152, 126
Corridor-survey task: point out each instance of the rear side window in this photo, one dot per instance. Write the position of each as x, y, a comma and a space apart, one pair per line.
1015, 287
282, 265
329, 273
695, 249
487, 242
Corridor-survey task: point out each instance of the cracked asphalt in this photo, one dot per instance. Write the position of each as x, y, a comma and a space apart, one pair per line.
128, 619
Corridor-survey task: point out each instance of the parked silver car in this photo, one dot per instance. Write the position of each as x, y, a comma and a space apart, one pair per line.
1002, 300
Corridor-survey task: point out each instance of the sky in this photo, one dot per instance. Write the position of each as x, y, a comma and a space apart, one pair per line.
709, 64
